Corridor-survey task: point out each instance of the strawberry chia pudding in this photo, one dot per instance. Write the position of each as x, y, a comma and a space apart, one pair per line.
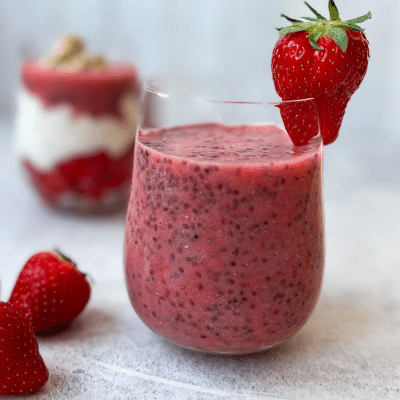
75, 128
224, 241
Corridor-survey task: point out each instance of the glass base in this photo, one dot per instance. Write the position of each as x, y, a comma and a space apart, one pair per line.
227, 353
221, 352
73, 203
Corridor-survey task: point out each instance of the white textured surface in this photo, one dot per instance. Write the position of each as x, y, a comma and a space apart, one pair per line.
349, 349
40, 131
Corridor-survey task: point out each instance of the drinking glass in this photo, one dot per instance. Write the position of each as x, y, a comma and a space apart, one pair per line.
224, 241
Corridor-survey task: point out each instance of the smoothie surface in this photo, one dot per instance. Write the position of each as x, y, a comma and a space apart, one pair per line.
236, 144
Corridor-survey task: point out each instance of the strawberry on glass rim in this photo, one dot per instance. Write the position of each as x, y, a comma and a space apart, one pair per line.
320, 58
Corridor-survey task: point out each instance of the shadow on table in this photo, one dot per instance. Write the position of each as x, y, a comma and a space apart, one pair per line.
334, 322
93, 320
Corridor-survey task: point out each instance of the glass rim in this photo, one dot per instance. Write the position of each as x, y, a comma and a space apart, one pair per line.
150, 87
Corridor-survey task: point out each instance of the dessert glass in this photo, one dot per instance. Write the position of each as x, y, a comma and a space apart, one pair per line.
75, 128
224, 241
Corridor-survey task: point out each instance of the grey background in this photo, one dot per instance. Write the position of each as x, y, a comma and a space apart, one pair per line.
228, 41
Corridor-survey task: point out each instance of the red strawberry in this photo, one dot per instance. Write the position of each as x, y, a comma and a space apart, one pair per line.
321, 59
22, 370
50, 291
300, 118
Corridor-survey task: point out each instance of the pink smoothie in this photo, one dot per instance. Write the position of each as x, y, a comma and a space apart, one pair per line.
224, 242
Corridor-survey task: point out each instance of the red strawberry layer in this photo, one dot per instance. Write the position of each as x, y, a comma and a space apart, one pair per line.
88, 178
95, 92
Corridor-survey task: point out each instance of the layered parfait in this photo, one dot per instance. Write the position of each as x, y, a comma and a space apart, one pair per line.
75, 127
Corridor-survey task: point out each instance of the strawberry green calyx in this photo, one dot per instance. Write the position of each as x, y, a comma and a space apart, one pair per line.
319, 26
63, 257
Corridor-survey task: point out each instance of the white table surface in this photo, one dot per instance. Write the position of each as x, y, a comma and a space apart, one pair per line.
349, 349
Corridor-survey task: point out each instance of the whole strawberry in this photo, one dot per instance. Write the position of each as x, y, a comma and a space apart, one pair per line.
22, 370
321, 59
50, 291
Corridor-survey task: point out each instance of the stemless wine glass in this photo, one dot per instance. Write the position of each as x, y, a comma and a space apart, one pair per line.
224, 242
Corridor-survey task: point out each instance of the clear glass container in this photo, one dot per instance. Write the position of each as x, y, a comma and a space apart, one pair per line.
224, 243
75, 129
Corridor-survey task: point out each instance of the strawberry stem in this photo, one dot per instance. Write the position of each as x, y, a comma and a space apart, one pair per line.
64, 257
317, 27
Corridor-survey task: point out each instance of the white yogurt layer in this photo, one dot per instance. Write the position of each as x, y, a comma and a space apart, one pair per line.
46, 136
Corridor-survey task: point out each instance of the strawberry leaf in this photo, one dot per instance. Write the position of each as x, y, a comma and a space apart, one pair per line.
291, 29
361, 19
311, 19
339, 37
317, 14
333, 11
354, 27
313, 38
292, 20
64, 257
